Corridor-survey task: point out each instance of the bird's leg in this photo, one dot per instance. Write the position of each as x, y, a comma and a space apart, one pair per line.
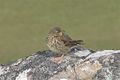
58, 59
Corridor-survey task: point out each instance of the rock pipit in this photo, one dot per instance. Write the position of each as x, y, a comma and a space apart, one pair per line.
60, 43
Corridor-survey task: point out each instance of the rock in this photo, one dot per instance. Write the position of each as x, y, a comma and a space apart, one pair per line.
80, 65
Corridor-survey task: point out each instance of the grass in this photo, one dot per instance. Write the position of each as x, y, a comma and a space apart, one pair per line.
24, 24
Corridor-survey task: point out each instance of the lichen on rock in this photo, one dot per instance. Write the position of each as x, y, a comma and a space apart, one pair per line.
100, 65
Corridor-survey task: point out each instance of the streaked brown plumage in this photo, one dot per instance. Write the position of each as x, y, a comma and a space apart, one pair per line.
59, 42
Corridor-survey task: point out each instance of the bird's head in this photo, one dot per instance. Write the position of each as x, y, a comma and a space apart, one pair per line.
56, 31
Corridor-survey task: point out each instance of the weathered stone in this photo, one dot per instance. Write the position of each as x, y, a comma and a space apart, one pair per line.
80, 65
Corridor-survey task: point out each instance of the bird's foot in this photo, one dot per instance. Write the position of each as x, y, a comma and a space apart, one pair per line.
57, 59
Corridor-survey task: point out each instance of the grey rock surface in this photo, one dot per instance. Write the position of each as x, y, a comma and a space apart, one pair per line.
79, 65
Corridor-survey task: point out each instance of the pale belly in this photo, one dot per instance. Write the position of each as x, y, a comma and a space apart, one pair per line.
57, 47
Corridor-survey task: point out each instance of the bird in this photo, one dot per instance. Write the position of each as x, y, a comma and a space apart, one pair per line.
60, 43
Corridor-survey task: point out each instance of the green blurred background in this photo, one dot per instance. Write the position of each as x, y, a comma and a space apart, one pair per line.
24, 24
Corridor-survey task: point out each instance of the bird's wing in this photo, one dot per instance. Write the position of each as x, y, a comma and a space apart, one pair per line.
69, 42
